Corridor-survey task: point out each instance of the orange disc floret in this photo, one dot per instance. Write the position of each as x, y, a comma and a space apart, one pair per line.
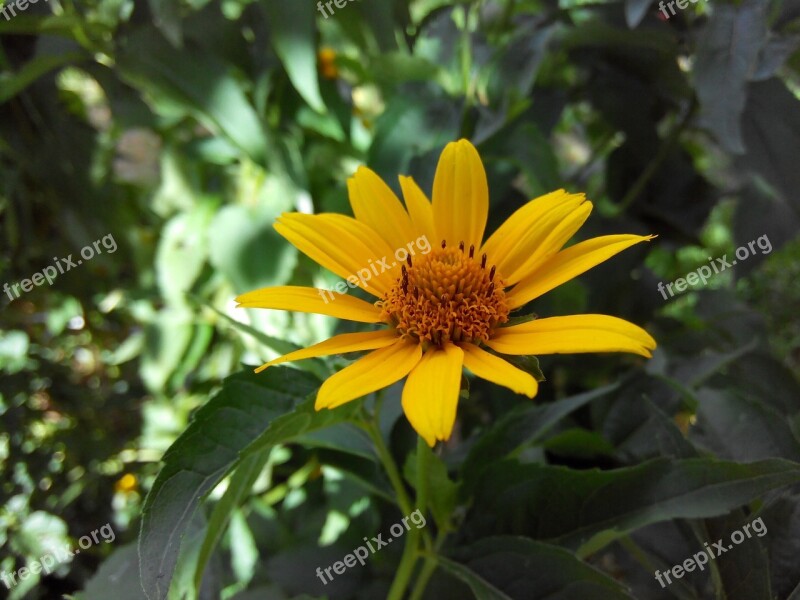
448, 295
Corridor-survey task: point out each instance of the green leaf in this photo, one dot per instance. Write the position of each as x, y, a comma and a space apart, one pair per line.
268, 408
739, 428
773, 56
520, 319
117, 577
529, 364
167, 17
726, 57
585, 510
510, 568
442, 491
182, 252
240, 485
292, 29
199, 82
256, 256
744, 570
579, 443
167, 338
771, 127
396, 67
635, 11
525, 425
795, 595
12, 84
781, 518
281, 346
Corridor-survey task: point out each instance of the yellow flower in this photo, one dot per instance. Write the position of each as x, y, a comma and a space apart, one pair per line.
327, 62
126, 484
445, 310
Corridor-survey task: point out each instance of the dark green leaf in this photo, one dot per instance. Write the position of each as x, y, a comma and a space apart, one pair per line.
744, 569
771, 127
510, 568
588, 509
529, 364
292, 29
726, 58
267, 407
579, 443
635, 11
199, 82
442, 491
525, 425
738, 428
12, 84
240, 485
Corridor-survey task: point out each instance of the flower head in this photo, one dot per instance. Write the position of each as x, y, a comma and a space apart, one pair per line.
448, 308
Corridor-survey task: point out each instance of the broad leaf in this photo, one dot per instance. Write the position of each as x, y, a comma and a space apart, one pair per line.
526, 425
251, 413
199, 82
588, 509
726, 57
292, 27
509, 568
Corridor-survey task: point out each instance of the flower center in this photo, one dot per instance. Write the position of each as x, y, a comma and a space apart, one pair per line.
447, 295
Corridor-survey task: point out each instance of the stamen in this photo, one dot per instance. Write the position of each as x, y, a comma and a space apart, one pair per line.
408, 260
445, 297
471, 250
444, 244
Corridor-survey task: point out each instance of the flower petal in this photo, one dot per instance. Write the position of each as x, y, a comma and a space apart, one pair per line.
375, 204
342, 245
493, 368
311, 300
525, 230
430, 395
573, 334
568, 264
372, 372
419, 207
460, 195
530, 255
339, 344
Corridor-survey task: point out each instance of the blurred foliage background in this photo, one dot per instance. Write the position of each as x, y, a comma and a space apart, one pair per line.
182, 128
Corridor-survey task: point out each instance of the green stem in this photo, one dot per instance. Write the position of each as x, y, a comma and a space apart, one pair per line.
411, 550
406, 567
423, 466
428, 569
391, 467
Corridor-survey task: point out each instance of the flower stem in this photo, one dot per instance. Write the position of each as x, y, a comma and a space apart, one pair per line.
424, 576
391, 467
423, 465
411, 550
